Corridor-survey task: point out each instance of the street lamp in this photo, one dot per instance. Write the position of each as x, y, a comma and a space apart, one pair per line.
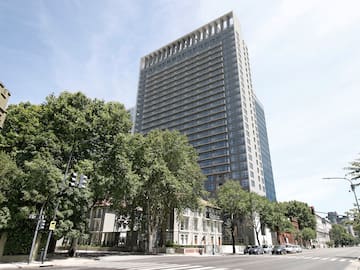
352, 186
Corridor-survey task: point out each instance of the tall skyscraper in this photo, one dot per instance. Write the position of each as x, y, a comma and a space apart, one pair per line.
200, 84
265, 152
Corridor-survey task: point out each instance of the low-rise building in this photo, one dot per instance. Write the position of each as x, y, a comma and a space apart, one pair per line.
323, 227
200, 228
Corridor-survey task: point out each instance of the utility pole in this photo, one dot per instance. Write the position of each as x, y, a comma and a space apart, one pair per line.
57, 207
40, 218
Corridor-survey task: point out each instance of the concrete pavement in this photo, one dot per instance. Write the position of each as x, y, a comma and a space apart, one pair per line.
48, 263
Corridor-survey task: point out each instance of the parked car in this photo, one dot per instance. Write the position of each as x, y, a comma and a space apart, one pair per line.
297, 248
246, 249
267, 249
290, 248
280, 249
256, 250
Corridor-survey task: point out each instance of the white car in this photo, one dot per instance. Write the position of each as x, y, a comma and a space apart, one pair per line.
290, 248
267, 248
297, 248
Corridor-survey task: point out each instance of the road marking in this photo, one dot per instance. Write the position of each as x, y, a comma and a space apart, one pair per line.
342, 260
333, 259
204, 268
324, 259
155, 266
180, 267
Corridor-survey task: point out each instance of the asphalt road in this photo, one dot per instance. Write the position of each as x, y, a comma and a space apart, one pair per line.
323, 259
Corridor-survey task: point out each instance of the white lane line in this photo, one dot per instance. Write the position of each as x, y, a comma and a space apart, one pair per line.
182, 267
333, 259
324, 259
204, 268
149, 266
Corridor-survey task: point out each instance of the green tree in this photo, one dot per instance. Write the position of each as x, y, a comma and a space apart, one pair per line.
257, 211
307, 234
231, 198
302, 212
340, 236
85, 129
171, 179
9, 174
276, 220
41, 139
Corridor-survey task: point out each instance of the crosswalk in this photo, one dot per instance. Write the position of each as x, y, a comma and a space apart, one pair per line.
164, 266
331, 259
136, 265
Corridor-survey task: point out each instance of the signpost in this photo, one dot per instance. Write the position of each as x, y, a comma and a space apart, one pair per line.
52, 225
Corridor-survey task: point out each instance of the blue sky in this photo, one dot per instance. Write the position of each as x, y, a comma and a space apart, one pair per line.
304, 55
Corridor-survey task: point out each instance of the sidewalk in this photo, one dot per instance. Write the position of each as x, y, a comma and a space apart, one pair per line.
37, 264
59, 259
84, 257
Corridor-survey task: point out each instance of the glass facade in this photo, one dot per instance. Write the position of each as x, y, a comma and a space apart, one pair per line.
201, 85
265, 152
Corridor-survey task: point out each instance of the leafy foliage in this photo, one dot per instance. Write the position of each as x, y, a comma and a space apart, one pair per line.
354, 169
156, 173
340, 236
302, 212
41, 139
8, 176
231, 198
307, 234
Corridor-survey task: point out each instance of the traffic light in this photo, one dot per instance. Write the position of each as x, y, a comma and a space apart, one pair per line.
83, 181
72, 179
42, 224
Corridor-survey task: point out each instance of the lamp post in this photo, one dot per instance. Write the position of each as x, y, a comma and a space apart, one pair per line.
352, 186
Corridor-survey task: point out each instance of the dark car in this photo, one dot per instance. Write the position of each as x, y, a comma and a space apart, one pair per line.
256, 250
279, 250
246, 249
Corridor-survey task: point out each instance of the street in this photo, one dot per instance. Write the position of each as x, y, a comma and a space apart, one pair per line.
329, 259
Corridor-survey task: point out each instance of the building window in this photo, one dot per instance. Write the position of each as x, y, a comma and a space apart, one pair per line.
184, 224
195, 224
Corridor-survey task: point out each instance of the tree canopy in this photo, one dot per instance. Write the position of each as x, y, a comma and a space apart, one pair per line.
155, 174
42, 138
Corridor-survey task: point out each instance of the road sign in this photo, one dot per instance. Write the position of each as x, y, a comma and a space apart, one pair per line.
52, 225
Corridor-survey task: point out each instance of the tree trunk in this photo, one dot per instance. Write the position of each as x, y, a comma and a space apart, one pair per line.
233, 238
151, 240
257, 237
73, 248
3, 239
52, 245
278, 236
132, 241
